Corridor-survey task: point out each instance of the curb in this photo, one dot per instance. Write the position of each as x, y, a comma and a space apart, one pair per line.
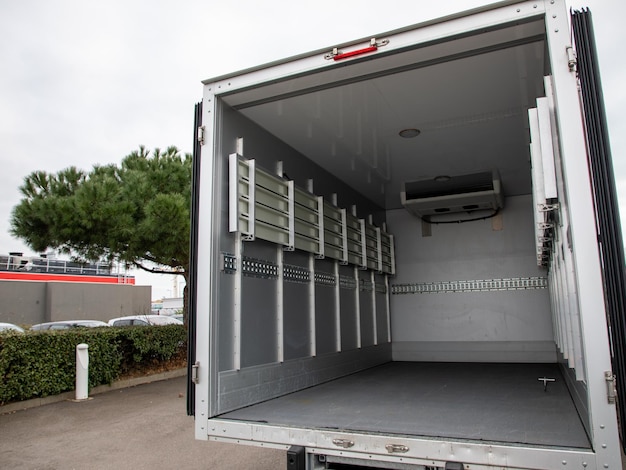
126, 383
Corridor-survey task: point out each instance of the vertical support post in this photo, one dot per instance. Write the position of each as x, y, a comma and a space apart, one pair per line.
344, 254
82, 371
357, 292
357, 306
312, 330
374, 309
337, 306
387, 308
237, 299
280, 281
280, 304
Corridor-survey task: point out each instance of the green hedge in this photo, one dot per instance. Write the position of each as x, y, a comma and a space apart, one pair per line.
38, 364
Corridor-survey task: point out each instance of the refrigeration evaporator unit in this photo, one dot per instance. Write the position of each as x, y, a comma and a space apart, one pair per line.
453, 194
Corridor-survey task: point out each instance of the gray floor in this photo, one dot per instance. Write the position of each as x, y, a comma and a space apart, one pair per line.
491, 402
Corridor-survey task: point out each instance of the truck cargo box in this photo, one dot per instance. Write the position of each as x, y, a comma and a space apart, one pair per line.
406, 250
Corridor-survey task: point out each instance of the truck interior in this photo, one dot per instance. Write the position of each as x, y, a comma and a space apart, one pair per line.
462, 336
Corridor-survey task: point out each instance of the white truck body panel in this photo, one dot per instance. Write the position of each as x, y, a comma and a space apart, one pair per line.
278, 312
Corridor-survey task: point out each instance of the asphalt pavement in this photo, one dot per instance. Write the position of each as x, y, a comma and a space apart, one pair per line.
141, 427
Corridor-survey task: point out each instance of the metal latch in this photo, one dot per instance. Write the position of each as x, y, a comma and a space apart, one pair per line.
200, 135
571, 59
345, 443
336, 54
396, 448
611, 392
194, 373
548, 207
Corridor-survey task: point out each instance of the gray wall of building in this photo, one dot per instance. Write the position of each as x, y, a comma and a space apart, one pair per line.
27, 303
22, 303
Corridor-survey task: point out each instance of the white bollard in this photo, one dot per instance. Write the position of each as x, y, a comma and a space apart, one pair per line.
82, 371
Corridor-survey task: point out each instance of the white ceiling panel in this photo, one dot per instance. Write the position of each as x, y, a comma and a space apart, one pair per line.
470, 109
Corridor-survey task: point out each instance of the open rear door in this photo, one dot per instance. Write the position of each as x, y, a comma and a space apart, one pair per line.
606, 201
193, 250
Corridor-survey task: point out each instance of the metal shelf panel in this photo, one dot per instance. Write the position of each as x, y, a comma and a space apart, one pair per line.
306, 215
271, 234
306, 199
271, 208
271, 216
333, 240
266, 180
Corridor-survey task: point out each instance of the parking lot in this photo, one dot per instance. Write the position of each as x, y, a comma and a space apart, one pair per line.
141, 427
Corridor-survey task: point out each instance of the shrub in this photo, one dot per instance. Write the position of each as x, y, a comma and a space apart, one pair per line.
38, 364
142, 346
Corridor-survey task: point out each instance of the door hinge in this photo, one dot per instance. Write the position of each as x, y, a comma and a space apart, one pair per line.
571, 59
611, 392
200, 135
194, 373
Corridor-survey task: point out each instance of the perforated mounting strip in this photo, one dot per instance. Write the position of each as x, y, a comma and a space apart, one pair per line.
518, 283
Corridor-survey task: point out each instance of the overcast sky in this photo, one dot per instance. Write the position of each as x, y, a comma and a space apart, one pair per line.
85, 82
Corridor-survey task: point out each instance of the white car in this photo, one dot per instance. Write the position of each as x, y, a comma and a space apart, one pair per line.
10, 328
67, 324
144, 320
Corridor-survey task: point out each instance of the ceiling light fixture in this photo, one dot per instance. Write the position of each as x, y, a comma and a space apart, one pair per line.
442, 178
409, 133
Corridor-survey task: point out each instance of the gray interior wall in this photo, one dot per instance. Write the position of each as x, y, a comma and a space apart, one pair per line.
28, 303
266, 149
297, 305
258, 310
578, 391
503, 325
326, 332
382, 316
348, 312
259, 327
366, 311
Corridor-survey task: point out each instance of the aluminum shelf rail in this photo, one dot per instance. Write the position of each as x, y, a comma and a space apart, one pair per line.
267, 207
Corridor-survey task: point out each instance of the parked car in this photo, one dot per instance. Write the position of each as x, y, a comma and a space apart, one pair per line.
10, 328
144, 320
67, 324
177, 316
